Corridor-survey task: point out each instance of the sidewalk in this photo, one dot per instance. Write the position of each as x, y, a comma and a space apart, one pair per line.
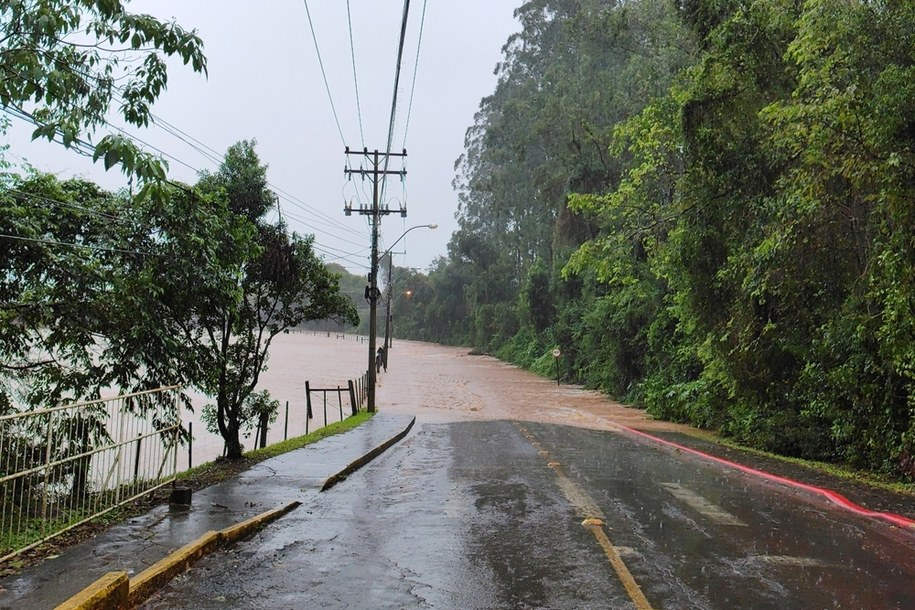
135, 545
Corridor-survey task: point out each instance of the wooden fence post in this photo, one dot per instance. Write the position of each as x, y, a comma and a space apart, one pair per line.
352, 397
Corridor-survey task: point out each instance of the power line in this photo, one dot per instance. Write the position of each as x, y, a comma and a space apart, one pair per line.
403, 35
72, 245
323, 72
310, 208
303, 221
87, 149
352, 51
422, 23
32, 196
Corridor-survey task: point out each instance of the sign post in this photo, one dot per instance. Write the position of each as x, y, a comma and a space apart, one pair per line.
556, 355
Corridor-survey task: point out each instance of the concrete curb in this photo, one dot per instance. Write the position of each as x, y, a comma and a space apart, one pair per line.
115, 592
110, 592
368, 457
236, 532
157, 575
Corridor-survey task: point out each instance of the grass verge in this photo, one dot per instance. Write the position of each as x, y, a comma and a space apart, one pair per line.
871, 479
222, 469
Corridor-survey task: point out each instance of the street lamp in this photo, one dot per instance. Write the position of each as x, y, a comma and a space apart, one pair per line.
373, 313
430, 226
387, 322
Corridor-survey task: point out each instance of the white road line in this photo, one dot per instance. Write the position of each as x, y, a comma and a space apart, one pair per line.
702, 506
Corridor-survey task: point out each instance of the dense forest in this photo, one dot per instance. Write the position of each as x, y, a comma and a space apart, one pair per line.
709, 207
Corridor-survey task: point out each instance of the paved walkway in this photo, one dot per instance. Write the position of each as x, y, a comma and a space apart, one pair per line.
144, 540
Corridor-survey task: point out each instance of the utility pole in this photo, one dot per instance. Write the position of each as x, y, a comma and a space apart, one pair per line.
387, 313
376, 174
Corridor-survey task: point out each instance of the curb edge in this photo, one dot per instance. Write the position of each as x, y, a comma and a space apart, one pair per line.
368, 457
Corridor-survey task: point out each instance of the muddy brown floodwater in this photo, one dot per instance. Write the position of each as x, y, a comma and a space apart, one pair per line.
435, 383
442, 384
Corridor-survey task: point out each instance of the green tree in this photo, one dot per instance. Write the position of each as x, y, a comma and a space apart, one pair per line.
279, 284
57, 269
65, 64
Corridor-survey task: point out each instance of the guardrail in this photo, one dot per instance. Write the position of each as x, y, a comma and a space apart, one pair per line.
63, 466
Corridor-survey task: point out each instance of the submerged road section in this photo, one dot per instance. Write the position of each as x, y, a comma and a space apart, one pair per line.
520, 514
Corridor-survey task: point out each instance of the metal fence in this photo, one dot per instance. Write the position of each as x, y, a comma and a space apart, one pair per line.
63, 466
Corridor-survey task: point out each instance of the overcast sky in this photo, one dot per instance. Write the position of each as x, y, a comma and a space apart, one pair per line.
265, 83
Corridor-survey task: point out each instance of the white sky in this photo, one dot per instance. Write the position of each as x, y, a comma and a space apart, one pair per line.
265, 83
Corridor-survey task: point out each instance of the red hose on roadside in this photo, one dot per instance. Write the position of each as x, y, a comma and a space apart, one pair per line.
838, 499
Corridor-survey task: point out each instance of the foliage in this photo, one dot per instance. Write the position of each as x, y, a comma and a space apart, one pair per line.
64, 65
56, 282
257, 281
708, 206
255, 406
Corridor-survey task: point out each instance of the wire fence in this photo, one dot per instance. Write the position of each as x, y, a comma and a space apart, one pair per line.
356, 394
63, 466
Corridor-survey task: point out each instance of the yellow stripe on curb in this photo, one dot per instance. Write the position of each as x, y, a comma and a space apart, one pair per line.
240, 530
115, 592
110, 592
157, 575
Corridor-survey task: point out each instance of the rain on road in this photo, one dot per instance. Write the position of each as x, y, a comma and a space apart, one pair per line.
493, 501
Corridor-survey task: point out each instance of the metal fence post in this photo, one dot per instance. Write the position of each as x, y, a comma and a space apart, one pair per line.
136, 458
262, 426
47, 474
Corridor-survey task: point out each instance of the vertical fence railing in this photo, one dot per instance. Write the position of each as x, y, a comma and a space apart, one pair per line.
63, 466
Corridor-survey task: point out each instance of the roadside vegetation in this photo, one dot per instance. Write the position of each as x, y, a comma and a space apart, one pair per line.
156, 285
709, 208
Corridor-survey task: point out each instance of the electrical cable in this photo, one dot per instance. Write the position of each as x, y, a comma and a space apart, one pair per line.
71, 245
87, 149
23, 194
352, 51
403, 35
324, 73
422, 23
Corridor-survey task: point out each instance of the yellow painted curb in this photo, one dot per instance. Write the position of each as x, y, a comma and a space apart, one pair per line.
115, 592
110, 592
154, 577
240, 530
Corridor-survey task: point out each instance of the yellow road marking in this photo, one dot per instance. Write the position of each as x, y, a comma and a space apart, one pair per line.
594, 521
632, 587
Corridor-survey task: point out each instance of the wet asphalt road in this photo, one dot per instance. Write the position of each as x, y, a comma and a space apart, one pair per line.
489, 515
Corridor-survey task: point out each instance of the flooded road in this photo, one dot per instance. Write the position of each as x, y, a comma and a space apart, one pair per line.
513, 493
